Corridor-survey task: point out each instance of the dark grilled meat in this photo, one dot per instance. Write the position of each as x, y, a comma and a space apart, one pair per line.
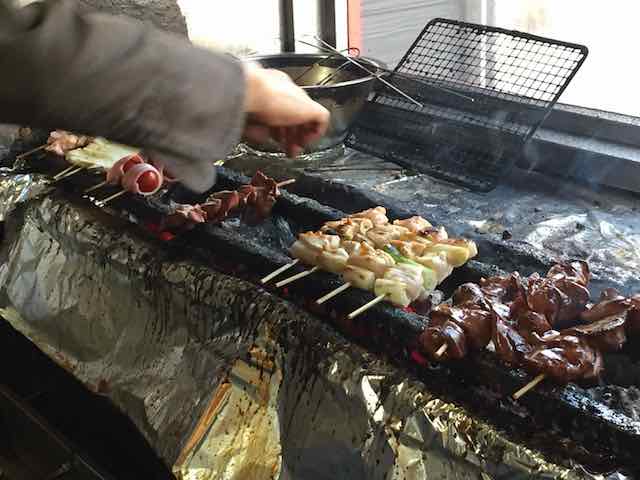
607, 334
447, 333
563, 357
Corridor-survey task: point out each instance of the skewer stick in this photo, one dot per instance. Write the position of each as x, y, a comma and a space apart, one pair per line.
441, 351
366, 306
68, 174
277, 272
64, 172
286, 182
333, 293
289, 280
529, 386
30, 152
95, 187
102, 203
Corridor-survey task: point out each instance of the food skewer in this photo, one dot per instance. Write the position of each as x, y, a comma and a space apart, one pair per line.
31, 152
73, 171
280, 270
333, 293
95, 187
103, 202
298, 276
529, 386
63, 172
366, 306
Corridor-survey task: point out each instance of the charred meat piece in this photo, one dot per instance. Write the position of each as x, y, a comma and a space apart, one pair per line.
576, 271
469, 294
560, 300
185, 217
447, 333
475, 322
606, 335
529, 322
564, 358
502, 289
510, 345
575, 297
60, 142
633, 316
607, 308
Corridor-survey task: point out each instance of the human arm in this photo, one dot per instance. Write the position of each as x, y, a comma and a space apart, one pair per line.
107, 76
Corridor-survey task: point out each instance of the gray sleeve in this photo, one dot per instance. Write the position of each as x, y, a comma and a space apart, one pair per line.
106, 76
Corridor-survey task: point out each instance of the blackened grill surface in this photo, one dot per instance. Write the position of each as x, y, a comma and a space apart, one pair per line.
606, 435
484, 92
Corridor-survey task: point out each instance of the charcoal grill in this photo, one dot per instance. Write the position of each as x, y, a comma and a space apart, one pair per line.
599, 436
564, 422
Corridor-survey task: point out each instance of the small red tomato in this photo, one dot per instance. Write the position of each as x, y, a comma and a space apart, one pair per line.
167, 236
133, 160
148, 182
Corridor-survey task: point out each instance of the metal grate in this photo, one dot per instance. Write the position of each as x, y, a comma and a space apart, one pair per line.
484, 90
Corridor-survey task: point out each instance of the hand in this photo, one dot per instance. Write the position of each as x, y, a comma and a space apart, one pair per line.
277, 108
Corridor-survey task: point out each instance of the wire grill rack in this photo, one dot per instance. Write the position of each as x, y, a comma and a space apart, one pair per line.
484, 90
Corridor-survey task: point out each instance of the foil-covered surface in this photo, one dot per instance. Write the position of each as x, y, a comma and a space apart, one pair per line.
225, 380
18, 188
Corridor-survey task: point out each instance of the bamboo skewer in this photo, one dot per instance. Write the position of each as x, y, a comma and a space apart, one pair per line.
286, 182
63, 172
366, 306
102, 203
442, 350
298, 276
31, 152
333, 293
60, 176
529, 386
95, 187
277, 272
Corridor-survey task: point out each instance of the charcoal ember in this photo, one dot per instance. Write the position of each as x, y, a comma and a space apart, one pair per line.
607, 334
576, 271
447, 332
475, 322
563, 357
607, 308
510, 345
621, 399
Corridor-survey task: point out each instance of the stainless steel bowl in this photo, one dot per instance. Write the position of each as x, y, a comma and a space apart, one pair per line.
346, 90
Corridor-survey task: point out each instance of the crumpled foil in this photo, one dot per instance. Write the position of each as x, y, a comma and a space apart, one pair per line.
225, 380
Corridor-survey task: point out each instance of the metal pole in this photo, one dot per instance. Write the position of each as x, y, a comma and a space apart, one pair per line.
327, 21
287, 29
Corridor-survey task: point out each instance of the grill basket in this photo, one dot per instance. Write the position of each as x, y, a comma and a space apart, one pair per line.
484, 90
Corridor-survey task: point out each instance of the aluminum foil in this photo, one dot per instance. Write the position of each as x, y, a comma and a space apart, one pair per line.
225, 380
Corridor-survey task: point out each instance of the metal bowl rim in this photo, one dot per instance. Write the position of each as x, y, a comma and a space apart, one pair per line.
368, 78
